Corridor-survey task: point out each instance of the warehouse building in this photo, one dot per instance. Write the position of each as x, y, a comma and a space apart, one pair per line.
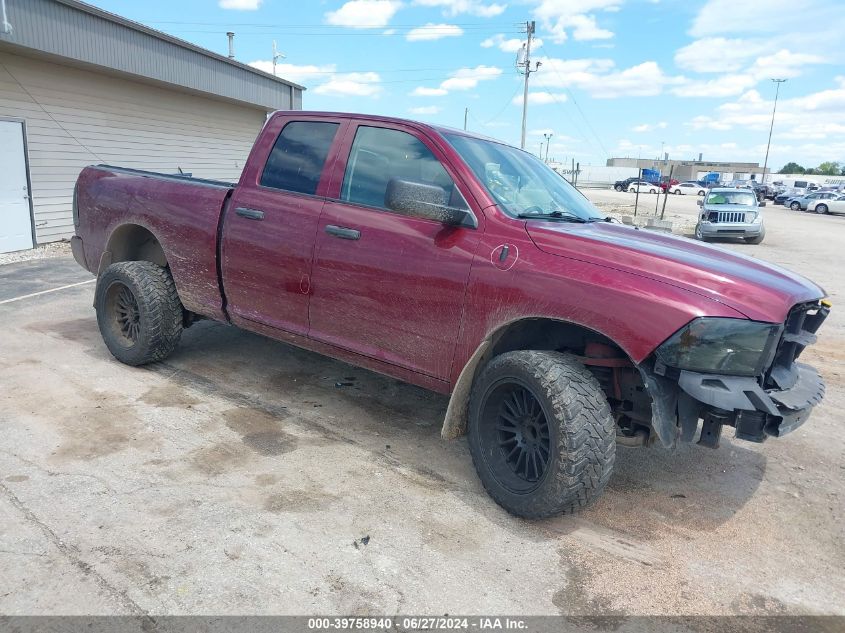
684, 170
80, 86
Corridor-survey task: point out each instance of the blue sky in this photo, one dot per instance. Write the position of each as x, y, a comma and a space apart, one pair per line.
618, 77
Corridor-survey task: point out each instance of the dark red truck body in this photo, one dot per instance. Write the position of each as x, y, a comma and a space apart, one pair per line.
411, 297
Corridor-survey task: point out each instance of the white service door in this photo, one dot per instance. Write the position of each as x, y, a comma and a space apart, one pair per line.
15, 223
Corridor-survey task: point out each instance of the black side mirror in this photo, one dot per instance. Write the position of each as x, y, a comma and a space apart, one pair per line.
421, 200
700, 203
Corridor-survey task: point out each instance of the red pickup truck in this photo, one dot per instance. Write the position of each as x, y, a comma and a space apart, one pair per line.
466, 266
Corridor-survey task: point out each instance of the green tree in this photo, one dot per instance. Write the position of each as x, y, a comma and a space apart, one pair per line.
792, 168
828, 168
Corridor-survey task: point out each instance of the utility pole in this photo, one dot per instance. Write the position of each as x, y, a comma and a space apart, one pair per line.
276, 57
466, 112
523, 65
778, 82
548, 138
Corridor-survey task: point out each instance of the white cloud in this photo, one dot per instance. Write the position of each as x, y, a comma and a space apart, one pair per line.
719, 54
422, 91
240, 5
362, 14
425, 110
511, 45
650, 127
724, 86
720, 17
389, 32
468, 78
472, 7
540, 98
355, 84
561, 17
600, 79
433, 32
461, 79
785, 64
295, 73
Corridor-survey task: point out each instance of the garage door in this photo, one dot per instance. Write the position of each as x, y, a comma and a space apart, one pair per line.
15, 219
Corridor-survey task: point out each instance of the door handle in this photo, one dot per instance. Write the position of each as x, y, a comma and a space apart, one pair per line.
342, 232
250, 214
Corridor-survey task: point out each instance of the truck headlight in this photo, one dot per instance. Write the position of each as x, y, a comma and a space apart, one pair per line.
721, 345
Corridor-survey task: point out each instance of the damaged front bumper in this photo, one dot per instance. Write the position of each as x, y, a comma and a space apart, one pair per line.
742, 402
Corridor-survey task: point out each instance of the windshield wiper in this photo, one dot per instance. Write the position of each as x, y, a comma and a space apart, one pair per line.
552, 215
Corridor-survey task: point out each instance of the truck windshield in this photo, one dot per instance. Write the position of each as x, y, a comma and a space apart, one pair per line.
520, 183
745, 198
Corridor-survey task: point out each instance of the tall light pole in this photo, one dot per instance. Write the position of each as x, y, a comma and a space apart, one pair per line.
548, 138
541, 150
523, 65
778, 82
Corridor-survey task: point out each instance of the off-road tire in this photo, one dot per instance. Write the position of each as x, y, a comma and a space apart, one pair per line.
582, 436
757, 239
155, 328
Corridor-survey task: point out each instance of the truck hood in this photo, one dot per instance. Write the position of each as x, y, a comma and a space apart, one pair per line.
760, 291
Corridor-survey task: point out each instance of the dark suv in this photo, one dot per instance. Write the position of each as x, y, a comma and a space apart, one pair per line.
622, 185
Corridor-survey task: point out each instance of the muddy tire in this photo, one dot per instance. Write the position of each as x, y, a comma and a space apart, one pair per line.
540, 433
138, 311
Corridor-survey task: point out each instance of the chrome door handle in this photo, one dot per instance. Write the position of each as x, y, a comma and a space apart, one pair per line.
250, 214
342, 232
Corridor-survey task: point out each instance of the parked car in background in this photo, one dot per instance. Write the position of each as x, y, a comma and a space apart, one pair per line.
730, 212
666, 183
788, 194
643, 187
622, 185
828, 205
801, 203
688, 188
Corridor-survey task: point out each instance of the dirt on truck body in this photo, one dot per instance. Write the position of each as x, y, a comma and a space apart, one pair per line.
465, 266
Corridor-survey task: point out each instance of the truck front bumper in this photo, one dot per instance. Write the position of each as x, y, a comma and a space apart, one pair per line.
757, 412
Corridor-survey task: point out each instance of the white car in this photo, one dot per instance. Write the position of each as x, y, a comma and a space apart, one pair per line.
643, 187
688, 188
836, 205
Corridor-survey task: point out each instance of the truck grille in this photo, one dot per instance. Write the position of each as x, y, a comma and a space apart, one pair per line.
727, 216
799, 331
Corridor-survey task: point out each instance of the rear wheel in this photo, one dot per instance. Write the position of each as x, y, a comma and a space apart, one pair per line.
652, 190
821, 208
138, 312
618, 187
677, 192
540, 432
701, 192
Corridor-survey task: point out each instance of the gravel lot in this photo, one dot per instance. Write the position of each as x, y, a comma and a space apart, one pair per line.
238, 478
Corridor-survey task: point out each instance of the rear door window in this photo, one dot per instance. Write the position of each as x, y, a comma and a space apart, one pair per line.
298, 156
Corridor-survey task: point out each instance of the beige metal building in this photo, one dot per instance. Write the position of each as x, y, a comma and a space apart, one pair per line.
693, 169
79, 85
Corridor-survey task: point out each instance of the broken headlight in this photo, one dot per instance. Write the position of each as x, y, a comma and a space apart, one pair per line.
720, 345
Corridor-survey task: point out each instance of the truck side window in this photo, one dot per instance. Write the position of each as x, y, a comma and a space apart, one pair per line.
297, 159
379, 155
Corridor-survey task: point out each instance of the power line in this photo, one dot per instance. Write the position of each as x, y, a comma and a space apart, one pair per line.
52, 118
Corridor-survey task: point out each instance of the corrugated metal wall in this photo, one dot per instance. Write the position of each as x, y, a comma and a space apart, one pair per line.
90, 35
76, 118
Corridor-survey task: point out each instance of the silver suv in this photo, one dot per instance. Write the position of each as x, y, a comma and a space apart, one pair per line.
731, 213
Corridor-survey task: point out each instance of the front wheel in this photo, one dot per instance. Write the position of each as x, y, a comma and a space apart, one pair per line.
701, 192
757, 239
540, 432
138, 311
677, 192
652, 190
618, 188
795, 206
699, 234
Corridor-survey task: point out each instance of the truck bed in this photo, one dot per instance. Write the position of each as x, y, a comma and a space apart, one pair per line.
183, 212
